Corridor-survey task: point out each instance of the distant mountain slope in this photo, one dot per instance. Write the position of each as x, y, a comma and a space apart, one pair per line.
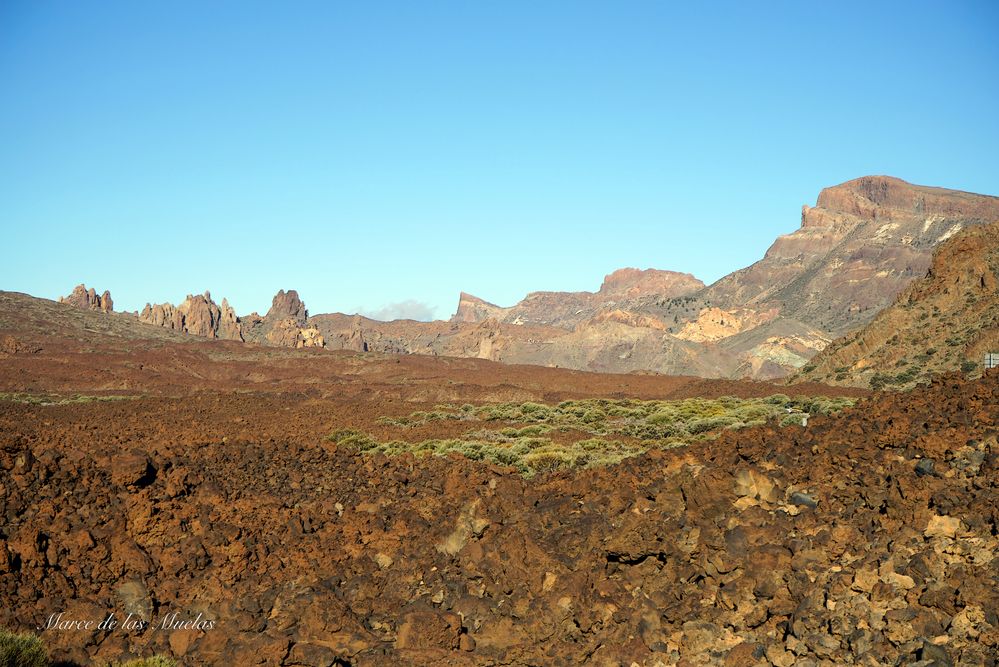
943, 322
861, 244
566, 309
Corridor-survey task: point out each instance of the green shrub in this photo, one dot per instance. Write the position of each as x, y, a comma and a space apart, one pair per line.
526, 443
154, 661
710, 424
547, 461
793, 419
350, 437
968, 366
22, 650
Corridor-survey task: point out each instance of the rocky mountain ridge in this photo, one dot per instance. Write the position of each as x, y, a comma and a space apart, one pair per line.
945, 321
567, 309
861, 244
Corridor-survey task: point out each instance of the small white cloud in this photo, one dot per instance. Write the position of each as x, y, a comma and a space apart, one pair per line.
410, 309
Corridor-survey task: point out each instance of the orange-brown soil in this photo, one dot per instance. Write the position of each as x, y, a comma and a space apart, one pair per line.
214, 492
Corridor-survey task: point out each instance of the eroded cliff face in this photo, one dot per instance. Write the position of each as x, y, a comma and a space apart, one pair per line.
286, 324
473, 309
861, 244
87, 299
568, 309
288, 306
945, 321
198, 315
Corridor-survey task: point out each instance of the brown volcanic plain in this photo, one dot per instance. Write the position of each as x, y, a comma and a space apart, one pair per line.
867, 537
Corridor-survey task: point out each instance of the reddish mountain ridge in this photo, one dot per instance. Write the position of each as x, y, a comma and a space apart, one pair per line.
566, 309
861, 244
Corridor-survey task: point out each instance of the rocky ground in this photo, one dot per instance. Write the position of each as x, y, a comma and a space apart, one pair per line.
868, 537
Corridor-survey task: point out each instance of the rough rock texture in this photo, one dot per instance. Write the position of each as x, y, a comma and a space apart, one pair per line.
286, 324
198, 315
287, 306
288, 333
820, 546
568, 309
10, 345
863, 242
944, 322
81, 297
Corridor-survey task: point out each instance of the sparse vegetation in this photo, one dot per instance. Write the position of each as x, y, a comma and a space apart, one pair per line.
22, 650
879, 381
56, 399
154, 661
27, 650
540, 438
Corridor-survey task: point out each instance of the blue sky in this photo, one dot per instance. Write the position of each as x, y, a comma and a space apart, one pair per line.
368, 154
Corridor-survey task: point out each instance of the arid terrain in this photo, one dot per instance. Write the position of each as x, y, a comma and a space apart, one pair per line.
946, 321
499, 334
862, 244
153, 473
287, 489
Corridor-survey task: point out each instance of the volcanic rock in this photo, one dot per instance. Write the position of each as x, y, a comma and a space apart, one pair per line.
288, 333
942, 526
256, 522
861, 244
131, 469
87, 299
9, 345
287, 306
198, 315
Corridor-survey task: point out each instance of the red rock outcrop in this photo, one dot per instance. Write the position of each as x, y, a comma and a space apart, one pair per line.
286, 324
473, 309
569, 309
198, 315
81, 297
287, 333
861, 244
633, 283
287, 306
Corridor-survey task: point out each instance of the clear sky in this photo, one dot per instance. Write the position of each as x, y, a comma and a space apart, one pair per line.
377, 153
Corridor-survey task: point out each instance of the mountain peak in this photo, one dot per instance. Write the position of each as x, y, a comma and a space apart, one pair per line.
650, 281
473, 309
287, 305
877, 197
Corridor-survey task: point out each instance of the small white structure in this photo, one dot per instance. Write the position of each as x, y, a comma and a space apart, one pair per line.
991, 360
